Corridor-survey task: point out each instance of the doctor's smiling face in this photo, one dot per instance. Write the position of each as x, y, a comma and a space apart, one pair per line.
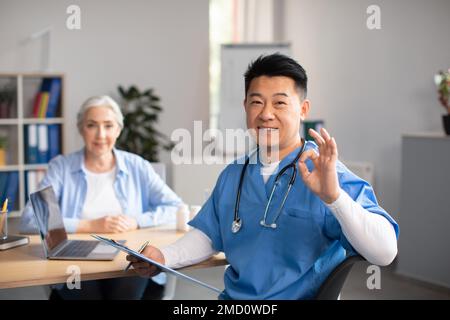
275, 107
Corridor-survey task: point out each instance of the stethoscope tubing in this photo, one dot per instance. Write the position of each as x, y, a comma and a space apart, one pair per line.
237, 220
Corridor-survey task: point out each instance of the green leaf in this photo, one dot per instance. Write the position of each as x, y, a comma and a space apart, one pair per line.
148, 93
122, 92
139, 134
155, 107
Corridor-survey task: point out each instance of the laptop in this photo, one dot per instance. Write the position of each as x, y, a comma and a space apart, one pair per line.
54, 236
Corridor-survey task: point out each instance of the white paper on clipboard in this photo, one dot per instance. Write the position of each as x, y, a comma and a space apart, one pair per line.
151, 261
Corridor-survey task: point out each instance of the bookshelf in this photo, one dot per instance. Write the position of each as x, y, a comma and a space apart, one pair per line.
19, 102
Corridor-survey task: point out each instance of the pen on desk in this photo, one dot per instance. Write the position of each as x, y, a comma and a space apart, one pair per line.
140, 251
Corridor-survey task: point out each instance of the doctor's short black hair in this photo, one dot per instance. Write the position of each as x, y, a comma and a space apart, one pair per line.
274, 65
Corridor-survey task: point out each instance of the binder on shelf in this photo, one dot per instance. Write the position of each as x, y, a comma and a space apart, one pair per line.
37, 102
12, 188
32, 180
30, 183
3, 182
47, 99
31, 144
55, 92
42, 144
44, 104
54, 142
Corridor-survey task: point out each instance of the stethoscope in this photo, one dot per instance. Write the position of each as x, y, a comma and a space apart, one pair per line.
237, 221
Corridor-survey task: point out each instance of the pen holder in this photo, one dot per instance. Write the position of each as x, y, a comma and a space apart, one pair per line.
3, 225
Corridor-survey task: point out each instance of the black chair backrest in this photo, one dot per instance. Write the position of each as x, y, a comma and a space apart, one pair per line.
332, 286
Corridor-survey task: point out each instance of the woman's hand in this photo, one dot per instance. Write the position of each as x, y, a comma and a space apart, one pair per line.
130, 222
145, 269
323, 179
108, 224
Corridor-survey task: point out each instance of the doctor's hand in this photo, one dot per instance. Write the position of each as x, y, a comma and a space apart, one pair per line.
145, 269
323, 179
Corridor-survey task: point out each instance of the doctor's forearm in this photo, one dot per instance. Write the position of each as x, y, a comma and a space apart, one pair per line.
372, 235
192, 248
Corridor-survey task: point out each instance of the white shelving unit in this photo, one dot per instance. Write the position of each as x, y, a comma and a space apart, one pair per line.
27, 85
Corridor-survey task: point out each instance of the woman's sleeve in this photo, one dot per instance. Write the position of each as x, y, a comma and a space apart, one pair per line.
53, 177
163, 202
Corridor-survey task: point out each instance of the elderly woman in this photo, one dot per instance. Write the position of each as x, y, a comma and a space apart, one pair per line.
104, 190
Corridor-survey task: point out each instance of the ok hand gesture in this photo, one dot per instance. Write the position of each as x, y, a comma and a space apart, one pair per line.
322, 180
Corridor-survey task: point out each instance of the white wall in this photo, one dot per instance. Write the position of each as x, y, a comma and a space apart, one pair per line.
151, 43
372, 86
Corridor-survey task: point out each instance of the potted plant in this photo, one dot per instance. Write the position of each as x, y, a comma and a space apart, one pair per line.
442, 80
7, 98
141, 112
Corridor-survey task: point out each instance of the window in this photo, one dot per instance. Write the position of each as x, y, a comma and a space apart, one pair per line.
235, 21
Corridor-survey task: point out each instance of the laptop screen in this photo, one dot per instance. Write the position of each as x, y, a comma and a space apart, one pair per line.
48, 218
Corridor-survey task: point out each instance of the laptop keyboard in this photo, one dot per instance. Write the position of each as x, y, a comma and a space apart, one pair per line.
77, 248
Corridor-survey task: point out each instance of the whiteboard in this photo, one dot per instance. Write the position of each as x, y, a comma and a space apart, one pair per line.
235, 59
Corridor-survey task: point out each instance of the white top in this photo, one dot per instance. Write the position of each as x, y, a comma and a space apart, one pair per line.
268, 169
101, 199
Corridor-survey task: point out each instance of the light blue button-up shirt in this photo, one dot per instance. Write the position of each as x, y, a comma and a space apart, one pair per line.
139, 190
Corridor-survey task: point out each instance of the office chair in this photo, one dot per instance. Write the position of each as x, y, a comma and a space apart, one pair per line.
332, 286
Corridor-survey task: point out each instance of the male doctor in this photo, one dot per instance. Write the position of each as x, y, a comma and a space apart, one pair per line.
283, 240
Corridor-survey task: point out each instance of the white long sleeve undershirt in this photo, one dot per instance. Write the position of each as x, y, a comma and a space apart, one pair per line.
192, 248
372, 236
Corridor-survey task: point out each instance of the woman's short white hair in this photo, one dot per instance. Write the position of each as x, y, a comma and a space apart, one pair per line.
100, 101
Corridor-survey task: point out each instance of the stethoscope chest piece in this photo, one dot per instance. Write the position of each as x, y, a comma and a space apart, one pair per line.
236, 225
264, 224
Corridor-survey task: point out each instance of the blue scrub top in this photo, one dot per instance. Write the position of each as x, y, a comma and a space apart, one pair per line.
291, 261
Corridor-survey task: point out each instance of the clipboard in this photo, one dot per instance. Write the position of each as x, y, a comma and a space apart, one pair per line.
164, 268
